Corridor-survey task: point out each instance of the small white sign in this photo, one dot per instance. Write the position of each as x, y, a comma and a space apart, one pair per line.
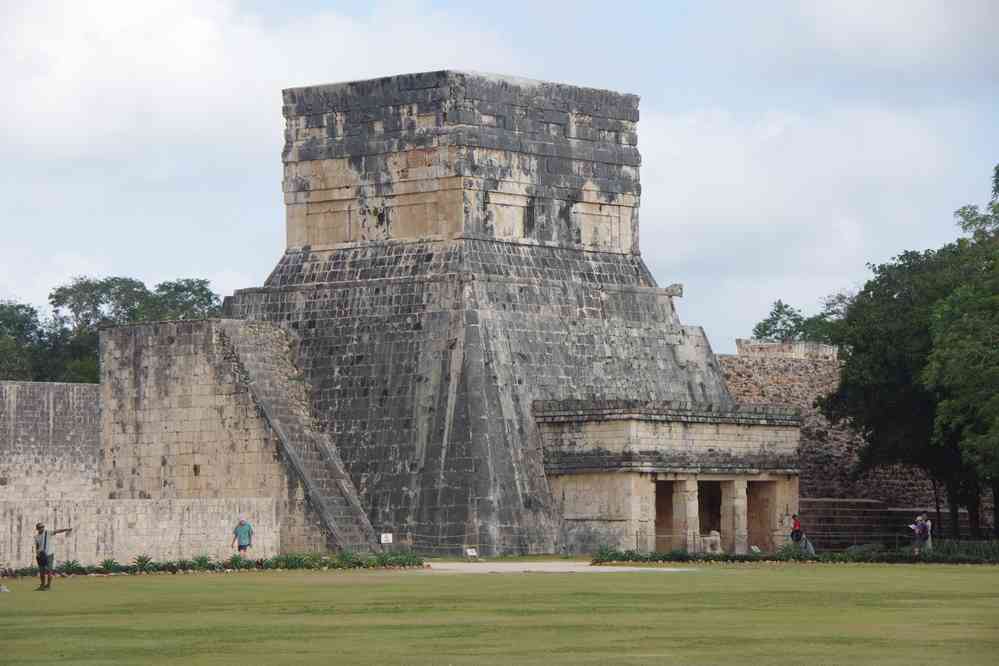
386, 537
471, 552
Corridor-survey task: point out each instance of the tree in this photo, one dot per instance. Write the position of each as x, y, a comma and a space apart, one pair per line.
64, 347
19, 334
907, 405
963, 367
783, 323
181, 299
787, 323
87, 303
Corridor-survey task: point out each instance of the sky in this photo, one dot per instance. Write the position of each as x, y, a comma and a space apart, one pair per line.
785, 145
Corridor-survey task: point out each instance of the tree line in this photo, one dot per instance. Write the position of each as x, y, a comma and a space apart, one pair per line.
919, 350
62, 346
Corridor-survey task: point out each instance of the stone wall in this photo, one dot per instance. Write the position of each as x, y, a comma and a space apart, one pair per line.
795, 374
49, 440
165, 529
179, 422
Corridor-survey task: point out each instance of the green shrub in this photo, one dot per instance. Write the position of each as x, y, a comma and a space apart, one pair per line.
71, 567
143, 563
202, 562
345, 559
957, 552
110, 565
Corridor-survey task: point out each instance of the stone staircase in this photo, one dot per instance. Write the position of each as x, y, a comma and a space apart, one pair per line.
261, 355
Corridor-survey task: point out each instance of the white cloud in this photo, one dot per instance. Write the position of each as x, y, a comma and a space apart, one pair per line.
906, 33
143, 138
749, 208
147, 134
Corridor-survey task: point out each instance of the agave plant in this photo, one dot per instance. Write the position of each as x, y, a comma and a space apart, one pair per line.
202, 562
143, 563
110, 565
71, 567
234, 562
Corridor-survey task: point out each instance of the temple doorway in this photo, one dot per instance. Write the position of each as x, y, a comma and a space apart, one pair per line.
761, 497
667, 537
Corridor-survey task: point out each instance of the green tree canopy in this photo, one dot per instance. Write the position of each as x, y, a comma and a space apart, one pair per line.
787, 323
906, 381
64, 347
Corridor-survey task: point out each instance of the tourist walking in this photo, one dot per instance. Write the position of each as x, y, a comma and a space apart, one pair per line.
920, 534
45, 554
795, 528
242, 536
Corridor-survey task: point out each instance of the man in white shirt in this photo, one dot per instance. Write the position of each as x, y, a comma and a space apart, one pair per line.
45, 554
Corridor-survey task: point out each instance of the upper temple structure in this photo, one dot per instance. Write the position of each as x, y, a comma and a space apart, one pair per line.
459, 347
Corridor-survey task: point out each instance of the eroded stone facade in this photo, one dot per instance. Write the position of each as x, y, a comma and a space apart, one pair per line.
795, 374
655, 476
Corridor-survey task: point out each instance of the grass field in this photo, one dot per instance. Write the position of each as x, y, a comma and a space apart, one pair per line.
748, 614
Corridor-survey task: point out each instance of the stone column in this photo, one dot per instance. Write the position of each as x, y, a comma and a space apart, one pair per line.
686, 518
740, 517
728, 516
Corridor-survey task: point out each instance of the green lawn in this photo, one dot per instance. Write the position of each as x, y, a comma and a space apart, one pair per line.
748, 614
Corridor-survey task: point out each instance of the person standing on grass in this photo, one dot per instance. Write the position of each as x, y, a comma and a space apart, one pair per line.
920, 534
795, 529
243, 536
45, 554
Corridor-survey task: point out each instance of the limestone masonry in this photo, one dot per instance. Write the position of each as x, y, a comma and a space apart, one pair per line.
461, 246
460, 346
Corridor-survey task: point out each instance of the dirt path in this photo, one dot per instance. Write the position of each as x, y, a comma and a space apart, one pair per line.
553, 566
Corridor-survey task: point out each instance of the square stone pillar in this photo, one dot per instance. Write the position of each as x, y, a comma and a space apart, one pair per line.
728, 516
740, 520
686, 518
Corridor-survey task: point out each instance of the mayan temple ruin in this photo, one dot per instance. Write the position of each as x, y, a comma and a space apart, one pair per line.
460, 346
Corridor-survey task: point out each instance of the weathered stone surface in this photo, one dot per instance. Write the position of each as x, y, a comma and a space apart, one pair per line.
216, 409
49, 440
259, 353
461, 155
163, 529
795, 374
671, 438
460, 245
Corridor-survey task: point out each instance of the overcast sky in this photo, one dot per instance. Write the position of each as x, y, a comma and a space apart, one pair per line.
784, 145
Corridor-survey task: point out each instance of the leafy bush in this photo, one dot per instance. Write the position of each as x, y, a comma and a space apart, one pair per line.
342, 560
71, 567
986, 550
143, 563
944, 552
110, 565
348, 560
202, 562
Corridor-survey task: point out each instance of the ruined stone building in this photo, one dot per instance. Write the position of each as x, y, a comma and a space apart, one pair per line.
461, 346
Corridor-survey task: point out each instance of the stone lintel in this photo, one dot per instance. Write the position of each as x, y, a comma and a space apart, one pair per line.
581, 411
611, 466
